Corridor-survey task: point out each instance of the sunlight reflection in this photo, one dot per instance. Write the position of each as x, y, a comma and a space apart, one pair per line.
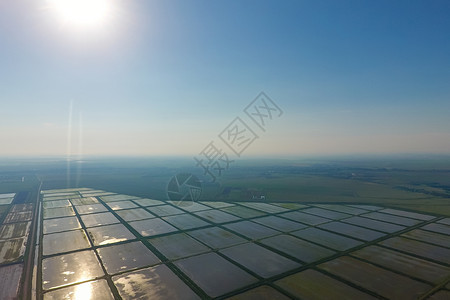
81, 14
83, 292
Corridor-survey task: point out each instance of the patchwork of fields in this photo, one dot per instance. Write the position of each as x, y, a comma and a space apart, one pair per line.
95, 244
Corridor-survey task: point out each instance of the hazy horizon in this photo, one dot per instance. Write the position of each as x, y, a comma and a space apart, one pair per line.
160, 78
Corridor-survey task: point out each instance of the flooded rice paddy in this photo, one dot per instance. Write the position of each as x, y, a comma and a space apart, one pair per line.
94, 244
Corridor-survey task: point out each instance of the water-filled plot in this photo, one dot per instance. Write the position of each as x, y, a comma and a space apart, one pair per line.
223, 278
185, 221
151, 227
260, 260
176, 246
125, 257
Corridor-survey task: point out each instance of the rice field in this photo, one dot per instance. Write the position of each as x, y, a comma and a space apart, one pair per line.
100, 245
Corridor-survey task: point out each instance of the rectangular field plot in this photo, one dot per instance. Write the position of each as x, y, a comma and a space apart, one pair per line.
185, 221
95, 289
165, 210
63, 192
216, 237
150, 227
343, 209
217, 204
439, 228
84, 201
353, 231
311, 284
178, 246
70, 268
109, 234
22, 207
91, 209
61, 224
134, 214
209, 280
6, 201
61, 197
117, 205
191, 206
407, 214
403, 263
92, 220
148, 202
14, 230
392, 218
112, 198
305, 218
10, 281
330, 214
441, 295
380, 281
125, 257
153, 283
429, 237
13, 217
10, 195
367, 207
326, 238
424, 250
445, 221
261, 292
269, 208
64, 242
252, 230
216, 216
300, 249
259, 260
290, 206
12, 250
58, 212
374, 224
243, 212
57, 203
89, 193
280, 224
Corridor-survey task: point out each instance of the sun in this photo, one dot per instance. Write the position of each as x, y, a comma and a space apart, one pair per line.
82, 14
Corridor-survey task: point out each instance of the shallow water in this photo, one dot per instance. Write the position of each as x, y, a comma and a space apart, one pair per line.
92, 290
295, 247
152, 227
260, 260
124, 257
70, 268
185, 221
216, 237
109, 234
224, 277
252, 230
177, 246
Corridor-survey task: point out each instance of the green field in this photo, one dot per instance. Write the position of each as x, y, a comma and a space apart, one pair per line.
411, 183
303, 188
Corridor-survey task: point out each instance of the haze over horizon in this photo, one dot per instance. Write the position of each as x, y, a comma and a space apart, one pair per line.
166, 77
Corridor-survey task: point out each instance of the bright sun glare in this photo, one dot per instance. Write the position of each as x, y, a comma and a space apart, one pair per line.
82, 14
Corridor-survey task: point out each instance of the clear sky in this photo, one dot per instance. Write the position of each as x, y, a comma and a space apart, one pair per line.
166, 77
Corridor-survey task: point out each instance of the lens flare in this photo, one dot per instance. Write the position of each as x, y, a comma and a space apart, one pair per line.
82, 13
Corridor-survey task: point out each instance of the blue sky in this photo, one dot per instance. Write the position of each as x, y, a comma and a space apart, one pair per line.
166, 77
